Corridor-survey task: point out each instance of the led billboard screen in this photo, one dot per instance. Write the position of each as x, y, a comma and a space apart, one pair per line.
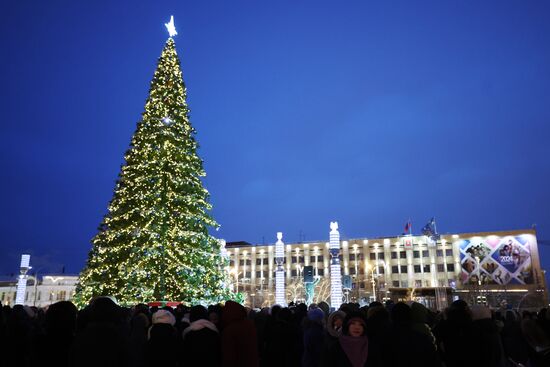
497, 260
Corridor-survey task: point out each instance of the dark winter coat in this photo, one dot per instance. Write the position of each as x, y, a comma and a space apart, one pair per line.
336, 357
314, 341
282, 342
103, 339
99, 344
405, 346
163, 346
138, 339
470, 343
238, 337
52, 347
201, 345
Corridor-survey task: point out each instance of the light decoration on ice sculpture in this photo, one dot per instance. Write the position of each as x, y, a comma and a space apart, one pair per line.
171, 27
335, 271
280, 298
22, 281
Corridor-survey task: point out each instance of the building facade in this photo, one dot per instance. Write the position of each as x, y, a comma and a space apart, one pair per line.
47, 290
496, 268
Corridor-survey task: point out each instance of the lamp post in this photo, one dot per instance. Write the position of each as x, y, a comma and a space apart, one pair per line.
371, 269
236, 275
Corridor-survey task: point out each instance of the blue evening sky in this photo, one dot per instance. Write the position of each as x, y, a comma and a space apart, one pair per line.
364, 112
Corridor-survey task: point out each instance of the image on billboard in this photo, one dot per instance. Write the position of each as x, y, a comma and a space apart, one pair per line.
496, 260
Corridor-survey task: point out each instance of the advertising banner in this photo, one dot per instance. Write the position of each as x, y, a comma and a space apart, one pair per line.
497, 260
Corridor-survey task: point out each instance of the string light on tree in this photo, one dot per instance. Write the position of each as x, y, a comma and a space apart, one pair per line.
154, 242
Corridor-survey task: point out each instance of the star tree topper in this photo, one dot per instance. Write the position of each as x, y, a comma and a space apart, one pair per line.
171, 27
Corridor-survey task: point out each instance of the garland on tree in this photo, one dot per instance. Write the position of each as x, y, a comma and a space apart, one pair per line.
153, 244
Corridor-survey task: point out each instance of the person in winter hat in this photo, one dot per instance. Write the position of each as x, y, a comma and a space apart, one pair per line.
201, 340
239, 344
313, 337
163, 344
334, 324
164, 317
352, 348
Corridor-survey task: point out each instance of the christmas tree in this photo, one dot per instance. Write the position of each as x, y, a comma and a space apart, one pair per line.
154, 244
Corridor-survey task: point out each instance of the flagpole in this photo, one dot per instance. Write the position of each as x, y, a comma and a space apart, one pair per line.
435, 227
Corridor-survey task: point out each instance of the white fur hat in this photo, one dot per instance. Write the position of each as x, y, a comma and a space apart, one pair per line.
164, 317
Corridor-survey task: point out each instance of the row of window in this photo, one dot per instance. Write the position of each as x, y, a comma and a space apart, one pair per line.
359, 271
53, 296
353, 257
300, 259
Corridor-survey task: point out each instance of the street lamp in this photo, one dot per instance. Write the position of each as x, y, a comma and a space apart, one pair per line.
236, 274
371, 269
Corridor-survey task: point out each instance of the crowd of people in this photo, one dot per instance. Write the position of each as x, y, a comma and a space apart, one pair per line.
230, 335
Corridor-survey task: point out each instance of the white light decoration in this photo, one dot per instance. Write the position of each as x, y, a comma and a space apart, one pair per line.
171, 27
280, 298
167, 121
335, 271
22, 282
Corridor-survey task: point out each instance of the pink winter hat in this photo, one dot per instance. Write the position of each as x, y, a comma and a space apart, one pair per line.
164, 317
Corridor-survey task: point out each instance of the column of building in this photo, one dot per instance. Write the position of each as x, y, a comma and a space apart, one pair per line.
280, 294
335, 269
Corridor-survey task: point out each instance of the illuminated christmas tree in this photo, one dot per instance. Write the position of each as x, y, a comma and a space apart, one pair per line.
154, 243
